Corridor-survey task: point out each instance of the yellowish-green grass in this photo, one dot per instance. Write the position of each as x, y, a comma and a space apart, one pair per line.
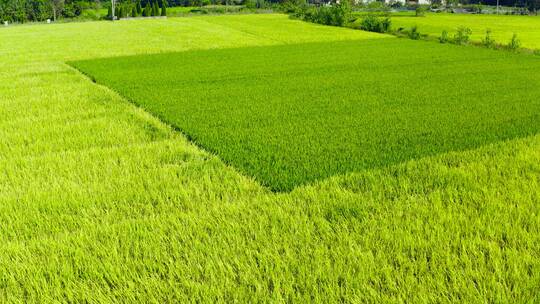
101, 202
503, 27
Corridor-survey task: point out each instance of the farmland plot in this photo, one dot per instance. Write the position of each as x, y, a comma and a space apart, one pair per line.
502, 27
289, 115
101, 202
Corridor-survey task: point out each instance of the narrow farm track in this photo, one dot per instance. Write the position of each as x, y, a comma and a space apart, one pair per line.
101, 202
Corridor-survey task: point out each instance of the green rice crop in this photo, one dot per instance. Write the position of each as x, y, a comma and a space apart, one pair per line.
289, 115
502, 26
100, 202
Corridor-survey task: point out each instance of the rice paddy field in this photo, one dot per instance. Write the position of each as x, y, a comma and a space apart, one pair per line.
502, 27
289, 115
103, 199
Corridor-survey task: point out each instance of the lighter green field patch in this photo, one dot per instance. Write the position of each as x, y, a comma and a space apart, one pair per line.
502, 27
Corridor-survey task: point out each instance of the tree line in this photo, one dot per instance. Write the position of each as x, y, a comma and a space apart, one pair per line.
40, 10
21, 11
130, 9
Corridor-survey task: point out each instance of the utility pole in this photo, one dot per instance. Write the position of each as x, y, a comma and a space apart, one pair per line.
497, 7
112, 9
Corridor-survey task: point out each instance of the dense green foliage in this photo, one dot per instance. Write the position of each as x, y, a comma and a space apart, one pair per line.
420, 11
515, 43
488, 41
502, 27
147, 12
155, 9
330, 113
40, 10
377, 24
102, 203
462, 35
336, 14
21, 11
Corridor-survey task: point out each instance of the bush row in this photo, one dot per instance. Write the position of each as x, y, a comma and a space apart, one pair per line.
463, 34
381, 24
338, 14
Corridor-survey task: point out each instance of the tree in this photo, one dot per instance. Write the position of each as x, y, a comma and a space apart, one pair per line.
147, 10
155, 9
36, 10
134, 12
164, 8
40, 10
533, 6
57, 8
138, 8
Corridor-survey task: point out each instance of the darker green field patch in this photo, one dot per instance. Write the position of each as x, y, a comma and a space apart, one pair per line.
289, 115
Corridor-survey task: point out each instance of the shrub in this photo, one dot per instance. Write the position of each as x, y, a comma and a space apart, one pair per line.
414, 34
323, 15
377, 6
372, 23
462, 35
120, 12
420, 11
251, 4
218, 10
134, 12
514, 43
90, 14
340, 14
386, 24
337, 14
287, 7
444, 37
254, 4
292, 6
109, 13
488, 41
